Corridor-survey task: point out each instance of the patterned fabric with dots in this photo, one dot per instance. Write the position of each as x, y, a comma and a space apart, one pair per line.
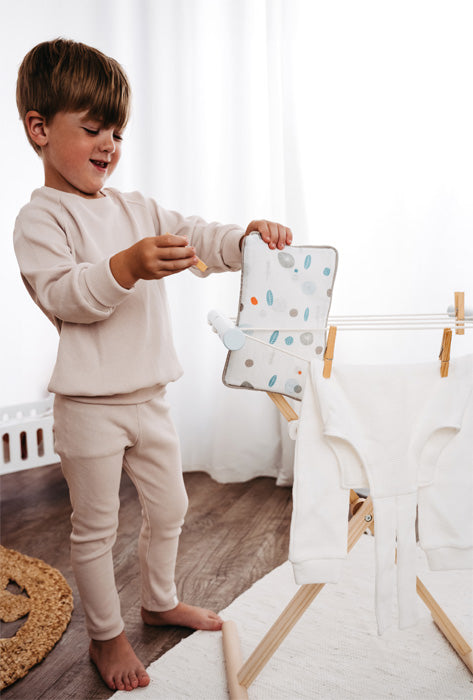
285, 299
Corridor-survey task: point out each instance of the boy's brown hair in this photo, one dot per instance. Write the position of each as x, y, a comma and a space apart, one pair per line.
65, 75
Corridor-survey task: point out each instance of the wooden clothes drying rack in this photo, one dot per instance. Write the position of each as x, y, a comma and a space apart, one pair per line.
241, 675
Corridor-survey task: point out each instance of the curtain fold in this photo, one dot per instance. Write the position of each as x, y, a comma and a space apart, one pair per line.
236, 157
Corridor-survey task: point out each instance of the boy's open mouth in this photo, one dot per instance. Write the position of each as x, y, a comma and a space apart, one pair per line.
100, 164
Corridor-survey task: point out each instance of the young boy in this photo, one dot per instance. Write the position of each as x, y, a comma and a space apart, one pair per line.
94, 260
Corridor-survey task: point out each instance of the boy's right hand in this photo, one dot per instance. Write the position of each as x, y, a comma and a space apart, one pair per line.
152, 258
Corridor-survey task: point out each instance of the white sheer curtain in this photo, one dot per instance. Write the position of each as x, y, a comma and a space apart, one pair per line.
349, 121
220, 118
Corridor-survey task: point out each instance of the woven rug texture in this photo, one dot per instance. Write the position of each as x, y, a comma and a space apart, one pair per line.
43, 597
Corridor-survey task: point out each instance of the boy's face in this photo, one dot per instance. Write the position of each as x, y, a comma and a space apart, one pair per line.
79, 154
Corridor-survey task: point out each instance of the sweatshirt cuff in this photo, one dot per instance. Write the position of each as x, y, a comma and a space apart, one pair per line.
449, 558
318, 571
103, 286
231, 253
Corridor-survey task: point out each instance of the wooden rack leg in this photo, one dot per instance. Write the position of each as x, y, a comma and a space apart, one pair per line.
238, 682
446, 626
297, 606
287, 411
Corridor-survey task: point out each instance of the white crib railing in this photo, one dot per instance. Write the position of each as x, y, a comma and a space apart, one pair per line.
27, 436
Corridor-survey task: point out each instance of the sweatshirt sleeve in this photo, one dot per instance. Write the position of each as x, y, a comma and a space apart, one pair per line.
217, 245
65, 290
319, 524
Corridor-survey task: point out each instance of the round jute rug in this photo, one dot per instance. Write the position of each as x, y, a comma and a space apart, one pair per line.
45, 597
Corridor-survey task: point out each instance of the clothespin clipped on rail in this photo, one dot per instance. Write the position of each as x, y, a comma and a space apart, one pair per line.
328, 354
459, 313
445, 351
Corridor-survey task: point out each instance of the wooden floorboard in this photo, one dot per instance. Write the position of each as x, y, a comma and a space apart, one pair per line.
233, 535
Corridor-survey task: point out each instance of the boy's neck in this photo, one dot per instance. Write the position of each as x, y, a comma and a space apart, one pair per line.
98, 195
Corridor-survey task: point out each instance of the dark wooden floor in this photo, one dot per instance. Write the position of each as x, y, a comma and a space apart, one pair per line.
233, 535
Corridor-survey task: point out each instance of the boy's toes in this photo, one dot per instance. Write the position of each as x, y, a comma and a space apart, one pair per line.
215, 621
143, 679
116, 684
133, 681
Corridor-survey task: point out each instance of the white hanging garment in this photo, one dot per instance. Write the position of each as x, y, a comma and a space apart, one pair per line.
385, 427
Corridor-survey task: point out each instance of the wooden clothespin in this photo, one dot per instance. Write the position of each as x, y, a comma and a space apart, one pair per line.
328, 354
459, 313
200, 265
445, 351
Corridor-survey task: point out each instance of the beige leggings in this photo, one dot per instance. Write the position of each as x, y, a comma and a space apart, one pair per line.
95, 441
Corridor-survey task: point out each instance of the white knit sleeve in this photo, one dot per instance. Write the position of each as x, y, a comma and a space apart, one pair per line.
319, 526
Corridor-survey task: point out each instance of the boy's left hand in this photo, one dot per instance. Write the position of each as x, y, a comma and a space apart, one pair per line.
275, 235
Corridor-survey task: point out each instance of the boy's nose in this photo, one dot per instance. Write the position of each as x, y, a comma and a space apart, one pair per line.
108, 143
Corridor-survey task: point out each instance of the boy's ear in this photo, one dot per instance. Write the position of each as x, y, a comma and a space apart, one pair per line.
35, 125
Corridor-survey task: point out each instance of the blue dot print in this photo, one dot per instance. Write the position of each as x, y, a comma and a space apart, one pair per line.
326, 271
274, 337
269, 297
272, 381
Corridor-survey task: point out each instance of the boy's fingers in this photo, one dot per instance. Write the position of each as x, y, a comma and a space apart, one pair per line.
167, 248
176, 253
280, 235
170, 240
275, 235
264, 230
284, 236
172, 266
164, 268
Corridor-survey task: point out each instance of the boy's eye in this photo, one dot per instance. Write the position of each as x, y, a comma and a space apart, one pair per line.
94, 132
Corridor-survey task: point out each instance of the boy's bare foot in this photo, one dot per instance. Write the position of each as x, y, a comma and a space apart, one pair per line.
118, 664
184, 615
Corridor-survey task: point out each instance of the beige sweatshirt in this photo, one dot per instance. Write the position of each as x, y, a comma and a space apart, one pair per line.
115, 344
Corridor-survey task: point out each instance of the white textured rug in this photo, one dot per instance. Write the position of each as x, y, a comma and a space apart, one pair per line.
334, 650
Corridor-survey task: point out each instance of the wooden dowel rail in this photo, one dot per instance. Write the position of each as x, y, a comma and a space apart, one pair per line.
233, 660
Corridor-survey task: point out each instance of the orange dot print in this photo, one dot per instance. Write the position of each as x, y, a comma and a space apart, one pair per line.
254, 301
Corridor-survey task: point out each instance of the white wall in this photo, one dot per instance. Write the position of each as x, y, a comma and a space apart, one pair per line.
388, 162
376, 135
